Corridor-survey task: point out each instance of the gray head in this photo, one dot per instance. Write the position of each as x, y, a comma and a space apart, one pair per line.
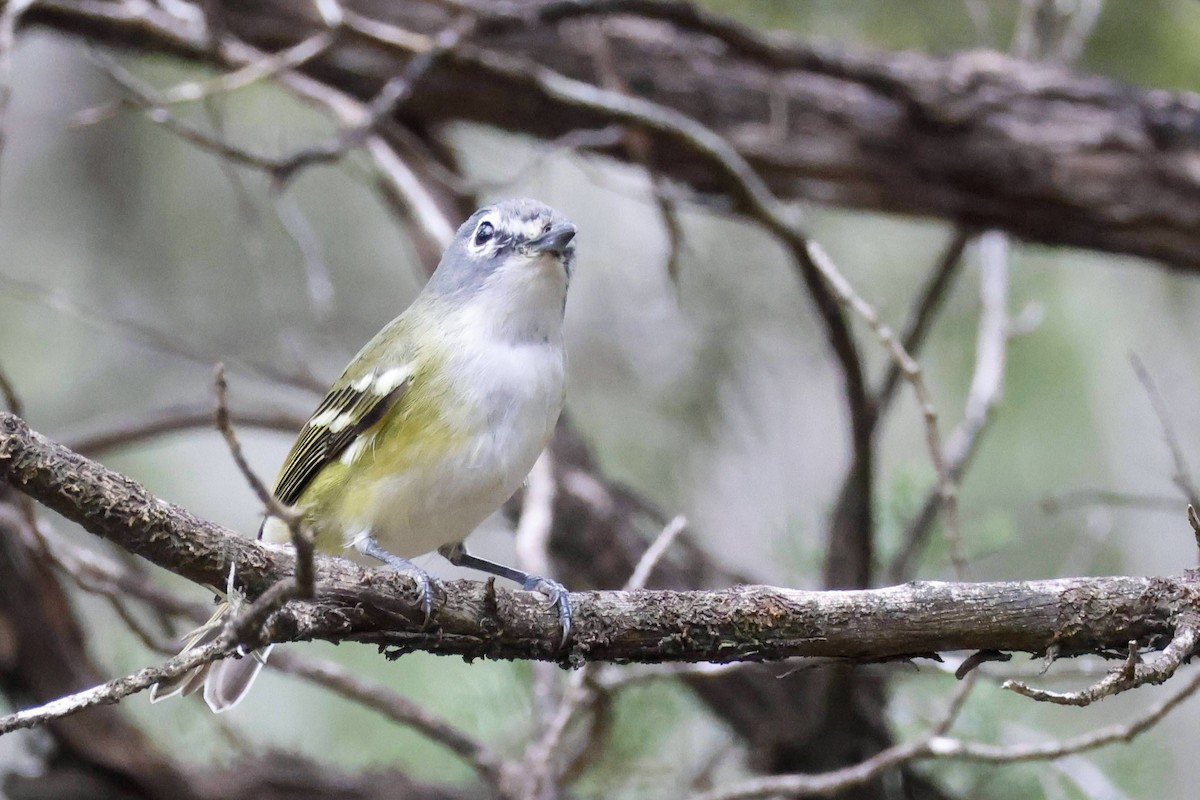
510, 243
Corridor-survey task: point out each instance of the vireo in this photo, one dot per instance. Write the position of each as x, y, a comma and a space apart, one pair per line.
436, 421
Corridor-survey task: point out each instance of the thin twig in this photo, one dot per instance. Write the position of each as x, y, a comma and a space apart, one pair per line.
115, 690
583, 691
360, 121
947, 484
943, 747
532, 537
302, 537
149, 336
655, 552
153, 641
540, 769
1084, 498
173, 419
192, 91
578, 140
668, 211
987, 389
394, 706
1079, 30
839, 780
1183, 474
532, 542
317, 279
1130, 675
928, 301
99, 575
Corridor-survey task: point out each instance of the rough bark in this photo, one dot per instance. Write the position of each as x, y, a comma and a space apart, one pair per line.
473, 620
978, 138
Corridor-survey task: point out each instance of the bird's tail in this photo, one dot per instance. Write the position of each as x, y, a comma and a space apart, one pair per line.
226, 681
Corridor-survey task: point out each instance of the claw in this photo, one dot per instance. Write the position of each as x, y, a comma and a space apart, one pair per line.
424, 591
369, 547
556, 595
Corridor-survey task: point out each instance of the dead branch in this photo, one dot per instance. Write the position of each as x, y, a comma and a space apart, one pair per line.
986, 140
755, 623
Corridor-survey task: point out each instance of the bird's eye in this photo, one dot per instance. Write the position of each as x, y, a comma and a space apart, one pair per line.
484, 233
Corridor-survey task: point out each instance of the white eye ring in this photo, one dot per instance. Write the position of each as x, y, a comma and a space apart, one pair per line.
483, 234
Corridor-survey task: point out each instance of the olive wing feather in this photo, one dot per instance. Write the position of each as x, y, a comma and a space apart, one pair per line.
350, 408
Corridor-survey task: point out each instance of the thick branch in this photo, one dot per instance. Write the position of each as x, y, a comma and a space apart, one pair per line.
977, 138
755, 623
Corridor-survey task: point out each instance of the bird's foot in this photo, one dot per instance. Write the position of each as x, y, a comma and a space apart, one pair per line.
370, 547
556, 595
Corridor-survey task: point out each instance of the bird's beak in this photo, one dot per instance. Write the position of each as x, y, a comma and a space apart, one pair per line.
554, 240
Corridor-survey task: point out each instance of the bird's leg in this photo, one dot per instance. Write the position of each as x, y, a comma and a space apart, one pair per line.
369, 546
555, 592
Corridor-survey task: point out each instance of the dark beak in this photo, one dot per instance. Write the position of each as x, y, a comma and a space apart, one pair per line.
554, 240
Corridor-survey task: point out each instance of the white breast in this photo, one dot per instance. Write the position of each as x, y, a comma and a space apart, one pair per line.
510, 393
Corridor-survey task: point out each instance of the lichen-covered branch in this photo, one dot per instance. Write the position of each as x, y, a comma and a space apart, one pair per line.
474, 619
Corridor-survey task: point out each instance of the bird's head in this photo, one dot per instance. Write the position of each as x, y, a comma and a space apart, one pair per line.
508, 245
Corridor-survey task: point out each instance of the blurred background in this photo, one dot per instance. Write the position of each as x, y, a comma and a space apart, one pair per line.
130, 263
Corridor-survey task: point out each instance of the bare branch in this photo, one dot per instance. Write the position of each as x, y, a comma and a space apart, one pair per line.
394, 706
115, 690
928, 302
193, 91
149, 336
303, 584
835, 781
943, 747
1083, 498
1183, 474
987, 387
947, 481
173, 419
754, 623
655, 552
537, 517
668, 210
583, 692
379, 606
938, 746
958, 147
1130, 675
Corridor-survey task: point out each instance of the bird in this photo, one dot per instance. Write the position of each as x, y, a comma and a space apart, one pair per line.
436, 421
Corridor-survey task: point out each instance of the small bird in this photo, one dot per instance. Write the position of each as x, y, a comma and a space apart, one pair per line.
437, 420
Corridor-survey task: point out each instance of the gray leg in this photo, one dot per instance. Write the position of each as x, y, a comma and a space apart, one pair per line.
368, 546
555, 592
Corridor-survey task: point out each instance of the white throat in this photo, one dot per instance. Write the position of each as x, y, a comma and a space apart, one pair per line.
521, 302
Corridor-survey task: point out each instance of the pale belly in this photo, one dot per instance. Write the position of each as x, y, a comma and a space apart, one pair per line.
510, 419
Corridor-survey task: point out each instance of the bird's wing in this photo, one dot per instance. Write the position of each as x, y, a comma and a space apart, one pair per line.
352, 406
